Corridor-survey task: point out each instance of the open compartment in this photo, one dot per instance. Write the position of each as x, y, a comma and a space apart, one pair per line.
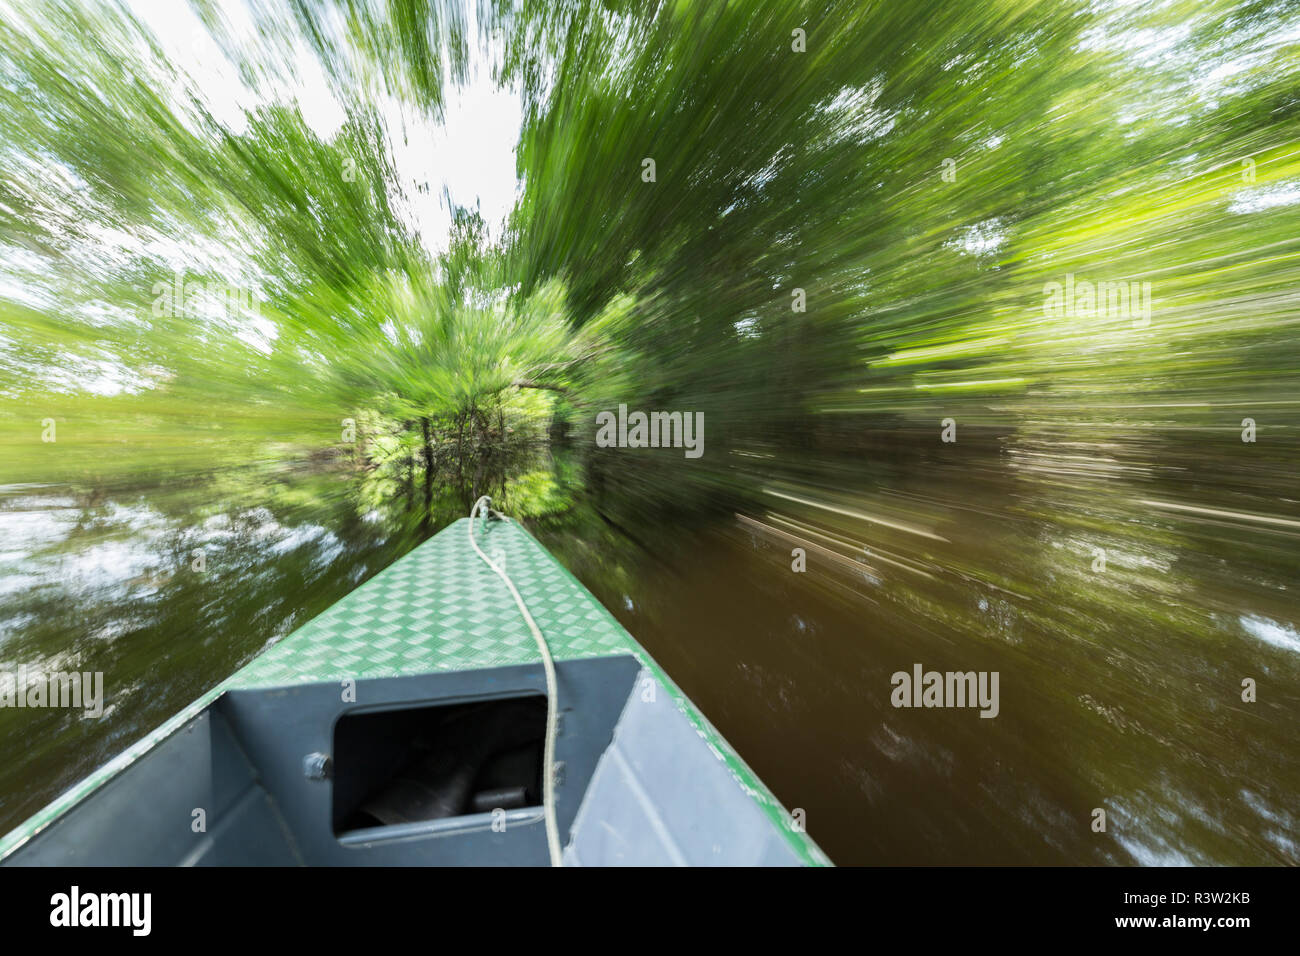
415, 764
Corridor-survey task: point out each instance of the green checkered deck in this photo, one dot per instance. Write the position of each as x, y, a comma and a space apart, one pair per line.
440, 608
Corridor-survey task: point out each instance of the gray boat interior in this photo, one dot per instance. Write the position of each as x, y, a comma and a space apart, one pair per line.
431, 770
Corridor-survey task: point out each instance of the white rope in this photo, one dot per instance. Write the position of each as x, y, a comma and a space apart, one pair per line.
548, 751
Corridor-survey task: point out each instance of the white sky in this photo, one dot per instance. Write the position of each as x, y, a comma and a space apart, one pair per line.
472, 155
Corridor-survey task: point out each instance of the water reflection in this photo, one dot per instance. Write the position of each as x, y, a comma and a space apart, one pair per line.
1120, 689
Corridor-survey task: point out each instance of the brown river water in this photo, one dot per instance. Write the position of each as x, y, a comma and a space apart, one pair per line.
1119, 672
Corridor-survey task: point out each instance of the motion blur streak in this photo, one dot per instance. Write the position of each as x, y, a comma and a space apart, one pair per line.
990, 307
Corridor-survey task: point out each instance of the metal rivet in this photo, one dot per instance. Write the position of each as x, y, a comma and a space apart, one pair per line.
317, 766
